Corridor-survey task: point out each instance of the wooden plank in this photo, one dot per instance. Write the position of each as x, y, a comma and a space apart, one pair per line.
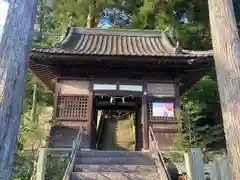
165, 139
72, 123
73, 87
161, 90
164, 126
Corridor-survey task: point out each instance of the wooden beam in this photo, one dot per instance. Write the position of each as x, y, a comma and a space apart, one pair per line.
79, 71
54, 57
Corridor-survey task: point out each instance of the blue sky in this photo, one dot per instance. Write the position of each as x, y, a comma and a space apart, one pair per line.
3, 15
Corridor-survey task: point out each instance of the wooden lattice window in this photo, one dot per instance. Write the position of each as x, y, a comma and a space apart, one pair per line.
73, 107
153, 117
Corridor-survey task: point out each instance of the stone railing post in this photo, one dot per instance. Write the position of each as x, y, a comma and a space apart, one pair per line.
3, 175
194, 164
41, 165
220, 170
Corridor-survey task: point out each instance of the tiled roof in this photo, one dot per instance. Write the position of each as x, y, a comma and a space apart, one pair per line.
117, 42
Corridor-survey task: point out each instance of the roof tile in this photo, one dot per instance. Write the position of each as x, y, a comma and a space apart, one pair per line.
117, 42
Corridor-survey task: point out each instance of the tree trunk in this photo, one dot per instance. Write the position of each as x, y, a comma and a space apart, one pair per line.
151, 15
14, 56
92, 20
226, 47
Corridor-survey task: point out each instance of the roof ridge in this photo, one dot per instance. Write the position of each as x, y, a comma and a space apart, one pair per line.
115, 31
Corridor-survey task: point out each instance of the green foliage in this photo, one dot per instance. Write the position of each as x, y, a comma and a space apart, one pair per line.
44, 96
30, 140
177, 157
69, 11
193, 34
201, 119
23, 166
44, 24
77, 12
193, 134
56, 165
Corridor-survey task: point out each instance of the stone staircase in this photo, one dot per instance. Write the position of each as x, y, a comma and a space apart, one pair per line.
114, 165
118, 134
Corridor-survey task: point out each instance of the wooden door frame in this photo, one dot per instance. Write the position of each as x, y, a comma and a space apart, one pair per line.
138, 116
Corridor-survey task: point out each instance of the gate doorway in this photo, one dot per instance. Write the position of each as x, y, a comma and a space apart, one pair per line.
116, 124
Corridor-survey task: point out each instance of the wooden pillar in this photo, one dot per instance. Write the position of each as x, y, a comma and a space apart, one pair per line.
90, 116
56, 94
177, 100
138, 128
145, 120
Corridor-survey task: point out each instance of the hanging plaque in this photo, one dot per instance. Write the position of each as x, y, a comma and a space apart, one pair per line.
161, 90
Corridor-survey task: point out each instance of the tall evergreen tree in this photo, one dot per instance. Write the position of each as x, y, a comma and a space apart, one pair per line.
13, 56
80, 13
226, 46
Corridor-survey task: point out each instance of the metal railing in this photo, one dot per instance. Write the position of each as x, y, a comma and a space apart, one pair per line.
155, 151
75, 148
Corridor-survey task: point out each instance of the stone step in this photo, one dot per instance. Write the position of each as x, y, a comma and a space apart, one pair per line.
100, 153
115, 168
114, 176
114, 160
125, 142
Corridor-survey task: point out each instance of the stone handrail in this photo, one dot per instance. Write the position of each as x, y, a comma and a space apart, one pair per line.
154, 149
102, 119
75, 148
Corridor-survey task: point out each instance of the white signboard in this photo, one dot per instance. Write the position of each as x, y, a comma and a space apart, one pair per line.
160, 109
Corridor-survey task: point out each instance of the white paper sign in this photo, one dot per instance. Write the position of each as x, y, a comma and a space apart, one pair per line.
162, 109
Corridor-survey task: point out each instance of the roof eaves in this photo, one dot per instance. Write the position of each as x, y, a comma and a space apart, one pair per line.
58, 51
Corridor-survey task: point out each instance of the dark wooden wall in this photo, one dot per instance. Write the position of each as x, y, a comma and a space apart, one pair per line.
73, 109
164, 128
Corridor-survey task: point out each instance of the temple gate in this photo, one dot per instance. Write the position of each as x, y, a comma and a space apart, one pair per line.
112, 71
